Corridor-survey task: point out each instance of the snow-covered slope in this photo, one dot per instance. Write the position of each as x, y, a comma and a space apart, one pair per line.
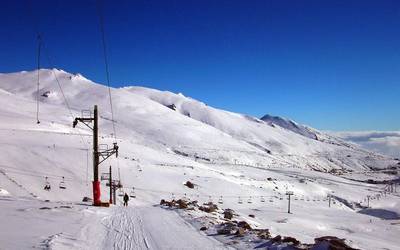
290, 125
167, 139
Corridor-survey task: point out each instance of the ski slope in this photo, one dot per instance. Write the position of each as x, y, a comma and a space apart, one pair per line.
166, 139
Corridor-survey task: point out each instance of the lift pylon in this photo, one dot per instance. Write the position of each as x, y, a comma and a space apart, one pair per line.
87, 120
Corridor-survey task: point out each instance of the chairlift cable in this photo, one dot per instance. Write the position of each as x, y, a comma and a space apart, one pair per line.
106, 64
107, 71
61, 90
38, 78
41, 49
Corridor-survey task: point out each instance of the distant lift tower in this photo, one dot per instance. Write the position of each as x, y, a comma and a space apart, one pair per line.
87, 119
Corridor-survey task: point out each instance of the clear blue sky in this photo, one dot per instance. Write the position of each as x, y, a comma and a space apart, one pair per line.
330, 64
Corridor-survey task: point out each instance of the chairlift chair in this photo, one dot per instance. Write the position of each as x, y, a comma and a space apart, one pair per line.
249, 200
132, 193
62, 184
240, 201
105, 176
121, 192
220, 201
262, 199
47, 186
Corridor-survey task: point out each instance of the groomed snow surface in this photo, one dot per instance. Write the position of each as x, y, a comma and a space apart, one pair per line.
166, 139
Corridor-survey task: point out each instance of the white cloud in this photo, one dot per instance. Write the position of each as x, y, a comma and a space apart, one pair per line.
385, 142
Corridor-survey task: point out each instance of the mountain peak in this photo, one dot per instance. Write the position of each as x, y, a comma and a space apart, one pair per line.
290, 125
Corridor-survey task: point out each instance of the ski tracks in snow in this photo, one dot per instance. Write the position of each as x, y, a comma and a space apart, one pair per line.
124, 230
148, 227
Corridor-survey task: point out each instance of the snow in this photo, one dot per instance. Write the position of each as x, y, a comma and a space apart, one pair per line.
162, 146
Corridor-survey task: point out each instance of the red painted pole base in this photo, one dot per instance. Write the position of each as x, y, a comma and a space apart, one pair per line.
96, 193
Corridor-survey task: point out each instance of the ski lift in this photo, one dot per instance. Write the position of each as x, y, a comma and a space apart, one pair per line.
210, 199
249, 200
121, 192
172, 196
105, 176
62, 184
220, 201
47, 186
240, 201
262, 199
132, 193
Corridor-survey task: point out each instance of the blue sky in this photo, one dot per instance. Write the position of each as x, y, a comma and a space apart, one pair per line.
333, 65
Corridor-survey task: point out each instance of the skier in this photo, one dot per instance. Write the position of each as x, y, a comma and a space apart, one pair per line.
126, 199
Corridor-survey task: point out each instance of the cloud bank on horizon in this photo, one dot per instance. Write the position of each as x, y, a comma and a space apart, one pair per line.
384, 142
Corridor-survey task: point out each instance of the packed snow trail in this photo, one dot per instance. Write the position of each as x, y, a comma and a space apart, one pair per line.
151, 227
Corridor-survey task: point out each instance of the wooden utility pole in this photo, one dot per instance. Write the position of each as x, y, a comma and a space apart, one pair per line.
96, 154
289, 193
110, 182
329, 198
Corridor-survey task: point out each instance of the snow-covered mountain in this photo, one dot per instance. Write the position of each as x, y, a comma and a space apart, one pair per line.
166, 139
290, 125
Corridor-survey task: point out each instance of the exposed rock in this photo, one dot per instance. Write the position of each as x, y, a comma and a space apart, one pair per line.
168, 203
208, 207
45, 208
193, 203
240, 232
228, 214
244, 225
331, 243
171, 106
189, 184
86, 199
182, 204
46, 94
277, 238
203, 228
292, 240
252, 216
263, 234
227, 228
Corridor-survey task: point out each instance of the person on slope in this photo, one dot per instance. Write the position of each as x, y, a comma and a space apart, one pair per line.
126, 199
